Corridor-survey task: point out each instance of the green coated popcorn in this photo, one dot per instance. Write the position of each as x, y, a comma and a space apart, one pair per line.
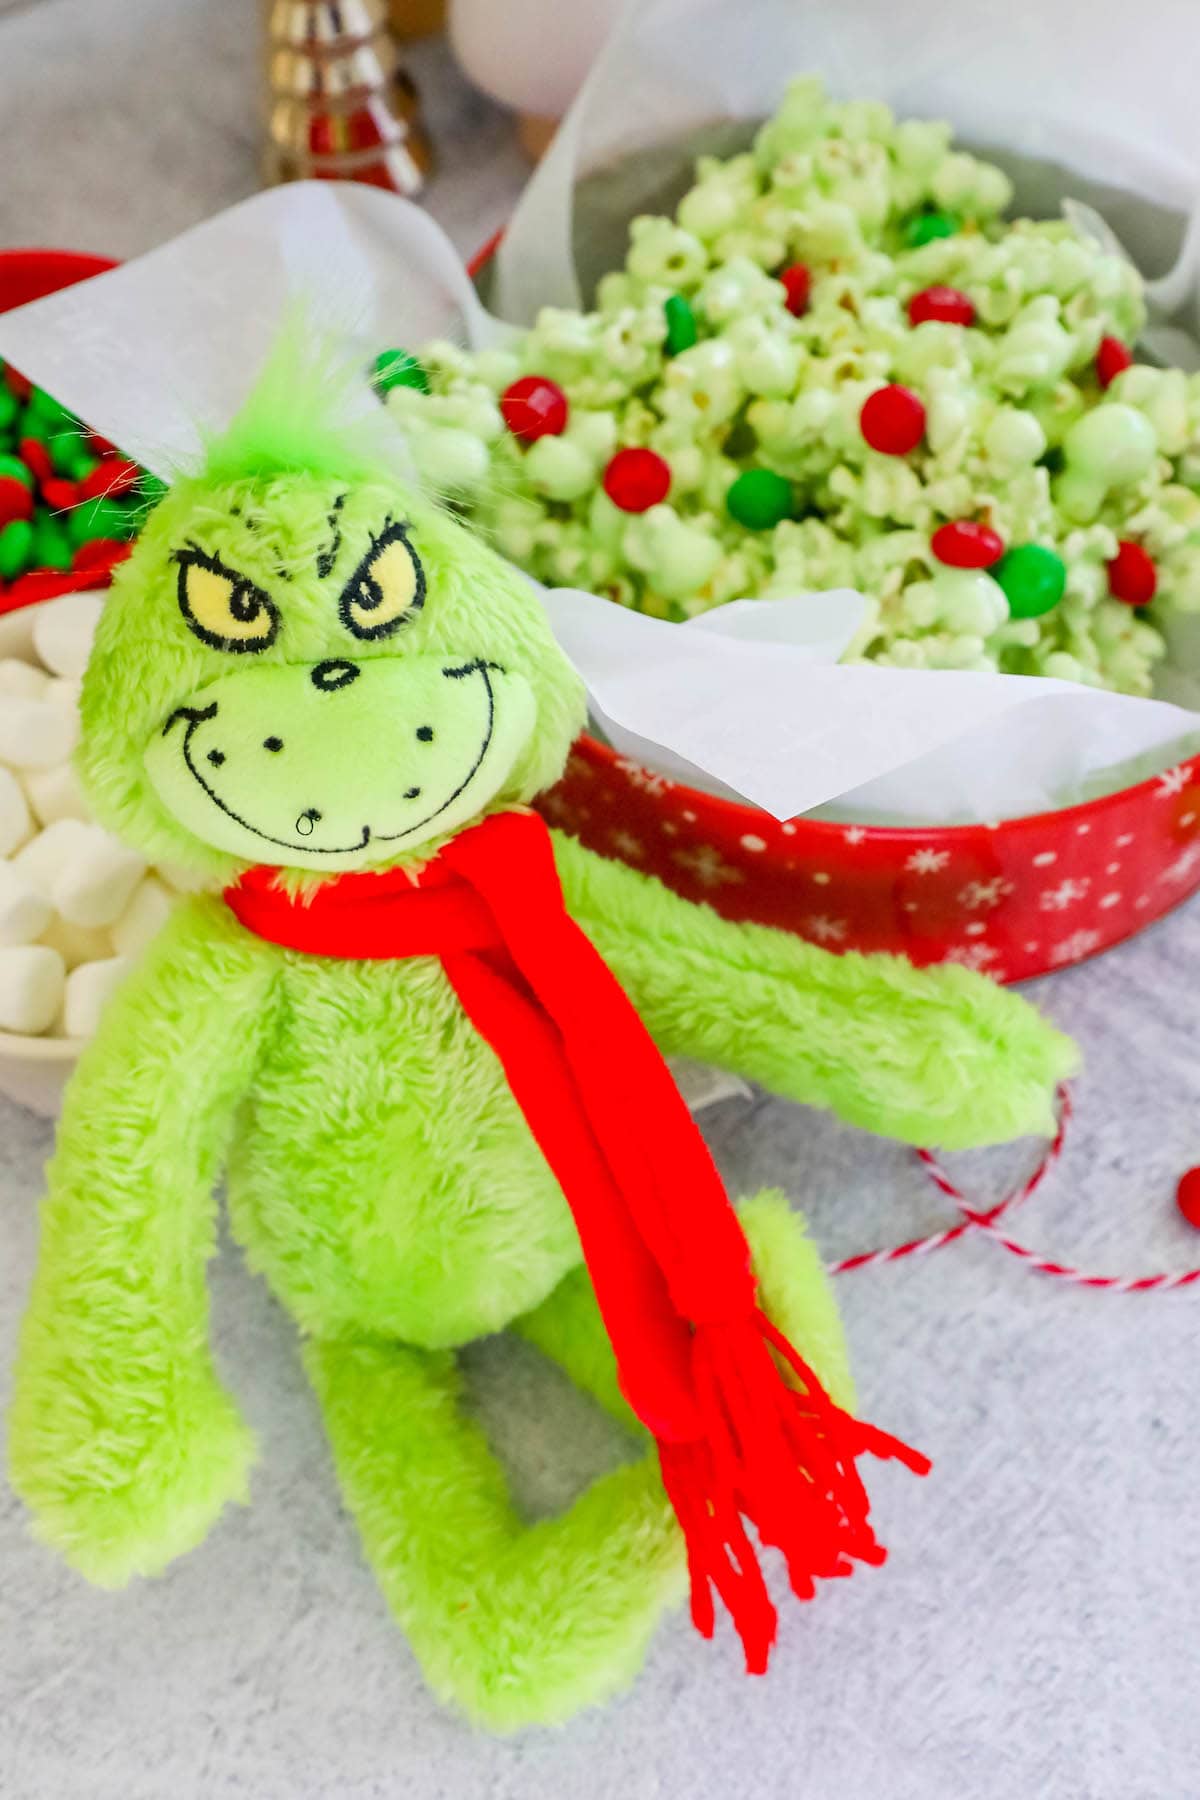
843, 254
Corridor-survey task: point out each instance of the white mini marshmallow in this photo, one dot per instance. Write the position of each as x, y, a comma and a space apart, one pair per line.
16, 824
143, 918
60, 692
25, 912
179, 878
35, 734
21, 679
63, 631
76, 944
52, 851
95, 887
31, 988
55, 794
87, 990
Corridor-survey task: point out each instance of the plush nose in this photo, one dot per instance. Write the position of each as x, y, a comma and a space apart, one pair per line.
334, 674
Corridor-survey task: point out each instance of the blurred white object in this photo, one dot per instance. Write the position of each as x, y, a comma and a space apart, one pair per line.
31, 986
86, 994
143, 918
97, 884
531, 55
63, 630
35, 734
25, 911
15, 822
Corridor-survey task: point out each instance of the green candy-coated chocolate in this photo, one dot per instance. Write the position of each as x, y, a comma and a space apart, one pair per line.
18, 470
929, 225
1033, 578
45, 406
102, 518
10, 406
759, 499
51, 548
398, 368
681, 325
150, 489
16, 541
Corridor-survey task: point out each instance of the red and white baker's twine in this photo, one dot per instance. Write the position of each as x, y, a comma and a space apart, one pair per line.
987, 1220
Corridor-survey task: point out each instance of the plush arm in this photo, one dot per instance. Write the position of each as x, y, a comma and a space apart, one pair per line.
121, 1440
942, 1057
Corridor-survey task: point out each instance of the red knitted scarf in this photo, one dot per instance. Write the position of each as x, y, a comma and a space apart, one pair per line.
744, 1428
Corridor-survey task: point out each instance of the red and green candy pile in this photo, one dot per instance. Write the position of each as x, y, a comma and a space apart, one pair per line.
69, 501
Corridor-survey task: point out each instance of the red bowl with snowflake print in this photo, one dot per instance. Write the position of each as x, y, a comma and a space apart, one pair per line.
1016, 899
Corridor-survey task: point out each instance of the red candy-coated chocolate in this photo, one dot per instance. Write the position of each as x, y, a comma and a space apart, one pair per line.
36, 457
115, 475
20, 385
892, 420
61, 494
635, 480
1187, 1197
966, 544
797, 285
534, 407
1132, 576
949, 305
16, 501
100, 445
100, 553
1111, 358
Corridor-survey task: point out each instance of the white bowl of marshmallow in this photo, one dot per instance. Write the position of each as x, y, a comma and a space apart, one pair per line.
77, 907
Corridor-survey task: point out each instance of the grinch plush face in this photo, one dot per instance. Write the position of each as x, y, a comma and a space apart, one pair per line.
335, 725
318, 673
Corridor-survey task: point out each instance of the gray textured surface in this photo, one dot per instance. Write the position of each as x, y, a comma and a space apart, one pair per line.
1034, 1634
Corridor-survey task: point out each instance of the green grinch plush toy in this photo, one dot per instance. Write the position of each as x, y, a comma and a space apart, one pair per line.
416, 1030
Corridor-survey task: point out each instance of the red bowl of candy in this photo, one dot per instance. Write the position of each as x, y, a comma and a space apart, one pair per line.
1017, 898
64, 520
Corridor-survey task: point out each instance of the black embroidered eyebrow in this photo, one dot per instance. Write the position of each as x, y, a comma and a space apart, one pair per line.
328, 556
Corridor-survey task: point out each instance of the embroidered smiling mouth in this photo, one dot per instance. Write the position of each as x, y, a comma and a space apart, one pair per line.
196, 716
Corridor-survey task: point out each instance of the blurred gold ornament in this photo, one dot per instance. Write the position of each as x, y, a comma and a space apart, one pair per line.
416, 18
340, 106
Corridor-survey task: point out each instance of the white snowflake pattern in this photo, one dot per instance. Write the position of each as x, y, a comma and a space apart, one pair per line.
1064, 896
825, 929
1173, 781
625, 844
972, 956
707, 866
984, 894
1186, 864
927, 862
648, 780
854, 835
1079, 944
578, 769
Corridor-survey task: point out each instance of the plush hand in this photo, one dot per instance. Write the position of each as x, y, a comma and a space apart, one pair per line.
121, 1441
942, 1057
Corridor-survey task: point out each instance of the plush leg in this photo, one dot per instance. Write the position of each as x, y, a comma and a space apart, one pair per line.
518, 1624
793, 1287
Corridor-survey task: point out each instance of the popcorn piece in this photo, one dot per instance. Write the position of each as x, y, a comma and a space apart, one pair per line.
87, 990
142, 919
63, 630
34, 734
24, 910
96, 886
31, 988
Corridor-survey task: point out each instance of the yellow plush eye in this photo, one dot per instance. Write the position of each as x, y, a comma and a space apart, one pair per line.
386, 589
224, 609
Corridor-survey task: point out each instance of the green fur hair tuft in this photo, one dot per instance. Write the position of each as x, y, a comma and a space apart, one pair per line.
311, 410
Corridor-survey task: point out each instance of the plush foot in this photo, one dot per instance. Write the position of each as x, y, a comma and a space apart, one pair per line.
518, 1624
